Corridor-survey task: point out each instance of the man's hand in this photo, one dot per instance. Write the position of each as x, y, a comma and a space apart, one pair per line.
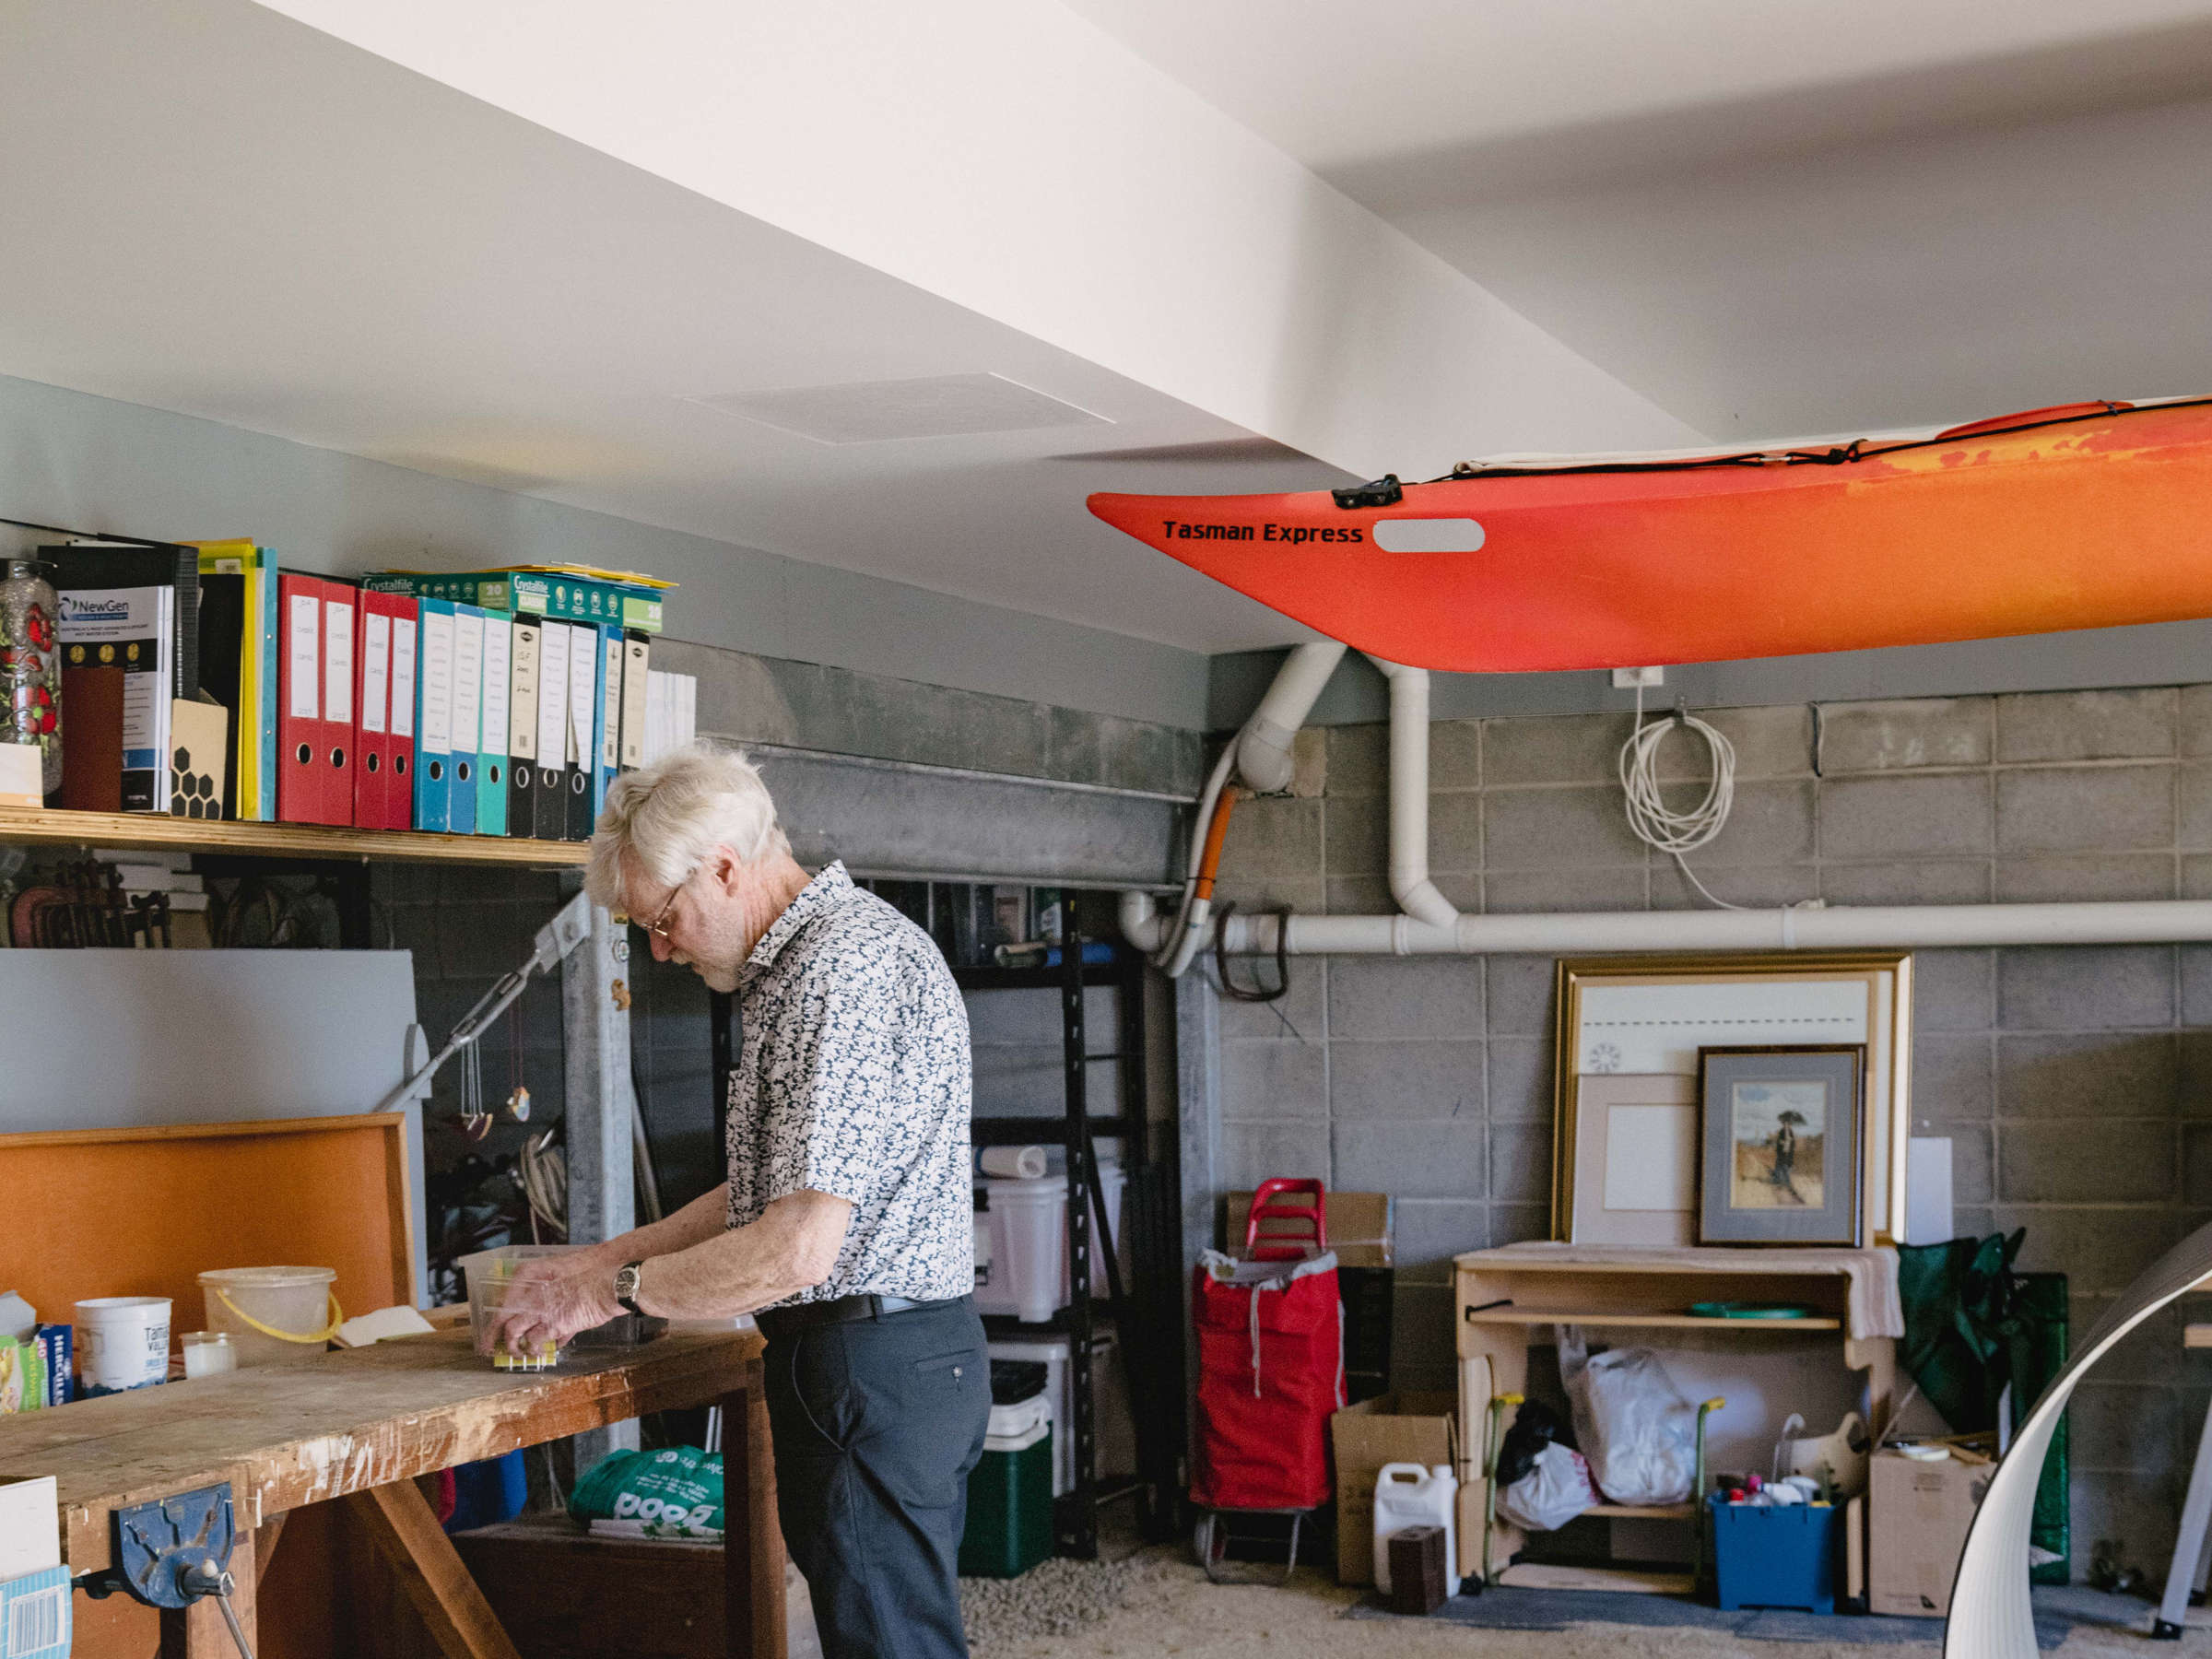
549, 1300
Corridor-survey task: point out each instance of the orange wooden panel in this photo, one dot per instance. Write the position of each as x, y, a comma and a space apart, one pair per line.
142, 1212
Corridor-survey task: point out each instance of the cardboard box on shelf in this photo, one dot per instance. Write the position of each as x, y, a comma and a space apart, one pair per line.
1917, 1516
1393, 1428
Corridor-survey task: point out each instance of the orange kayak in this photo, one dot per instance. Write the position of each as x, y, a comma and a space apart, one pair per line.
2092, 515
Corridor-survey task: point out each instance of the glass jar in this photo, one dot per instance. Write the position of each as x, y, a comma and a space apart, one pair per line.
30, 665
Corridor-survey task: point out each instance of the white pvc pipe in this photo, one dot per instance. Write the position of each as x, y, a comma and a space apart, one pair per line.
1263, 758
1409, 883
1429, 926
1835, 927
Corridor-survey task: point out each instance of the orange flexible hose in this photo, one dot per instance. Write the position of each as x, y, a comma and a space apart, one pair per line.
1216, 833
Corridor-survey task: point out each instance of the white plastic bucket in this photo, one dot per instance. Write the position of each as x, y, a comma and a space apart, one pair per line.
273, 1315
122, 1341
1409, 1495
1021, 1244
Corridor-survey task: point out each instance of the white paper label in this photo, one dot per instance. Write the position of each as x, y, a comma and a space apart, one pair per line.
553, 696
522, 715
437, 682
611, 695
376, 670
497, 668
468, 681
403, 676
307, 624
337, 661
584, 679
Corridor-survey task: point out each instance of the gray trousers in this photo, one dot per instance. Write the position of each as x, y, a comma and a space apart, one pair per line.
876, 1424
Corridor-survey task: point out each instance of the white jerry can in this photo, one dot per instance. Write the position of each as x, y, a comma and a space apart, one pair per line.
1409, 1495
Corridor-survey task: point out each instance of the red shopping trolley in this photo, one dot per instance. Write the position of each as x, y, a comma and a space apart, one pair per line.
1270, 1369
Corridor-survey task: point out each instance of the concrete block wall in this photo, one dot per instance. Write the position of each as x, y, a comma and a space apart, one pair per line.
2076, 1084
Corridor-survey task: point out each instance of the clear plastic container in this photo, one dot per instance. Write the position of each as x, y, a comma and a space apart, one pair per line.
491, 1276
208, 1352
273, 1316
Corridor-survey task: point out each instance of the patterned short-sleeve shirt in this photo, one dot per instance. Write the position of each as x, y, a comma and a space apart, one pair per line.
854, 1080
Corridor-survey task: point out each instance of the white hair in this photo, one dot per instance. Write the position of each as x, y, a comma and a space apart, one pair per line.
666, 817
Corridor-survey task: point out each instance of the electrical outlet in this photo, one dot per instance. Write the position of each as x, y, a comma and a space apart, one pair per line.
1628, 679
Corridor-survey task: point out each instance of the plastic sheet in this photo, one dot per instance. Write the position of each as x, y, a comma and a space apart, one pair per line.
1635, 1428
1552, 1493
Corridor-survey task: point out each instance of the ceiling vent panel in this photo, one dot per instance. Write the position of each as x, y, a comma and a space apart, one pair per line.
937, 405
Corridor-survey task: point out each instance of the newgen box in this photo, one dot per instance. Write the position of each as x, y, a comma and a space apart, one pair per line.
1917, 1515
1391, 1428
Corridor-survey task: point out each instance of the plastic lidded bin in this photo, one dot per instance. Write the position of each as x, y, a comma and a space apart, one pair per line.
1767, 1555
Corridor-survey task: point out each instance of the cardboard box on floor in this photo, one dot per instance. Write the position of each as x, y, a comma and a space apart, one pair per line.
1391, 1428
1358, 1226
1917, 1515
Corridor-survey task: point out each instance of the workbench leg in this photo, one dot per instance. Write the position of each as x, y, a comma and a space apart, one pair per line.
753, 1535
400, 1522
198, 1631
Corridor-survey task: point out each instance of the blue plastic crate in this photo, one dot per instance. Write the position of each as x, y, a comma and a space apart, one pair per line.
1775, 1557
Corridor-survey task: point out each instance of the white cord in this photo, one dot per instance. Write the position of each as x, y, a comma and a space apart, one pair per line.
1658, 824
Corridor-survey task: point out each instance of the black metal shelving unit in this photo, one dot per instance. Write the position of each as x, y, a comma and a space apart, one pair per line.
1146, 1311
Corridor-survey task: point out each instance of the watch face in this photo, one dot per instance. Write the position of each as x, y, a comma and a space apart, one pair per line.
625, 1283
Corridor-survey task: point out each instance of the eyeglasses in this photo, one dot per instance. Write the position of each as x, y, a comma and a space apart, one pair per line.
658, 927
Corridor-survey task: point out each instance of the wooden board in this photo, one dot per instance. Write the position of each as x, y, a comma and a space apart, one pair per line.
142, 1212
1665, 1322
290, 1435
1629, 1581
52, 827
565, 1594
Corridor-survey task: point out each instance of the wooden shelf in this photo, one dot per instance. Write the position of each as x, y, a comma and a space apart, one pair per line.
1659, 1322
1639, 1511
52, 827
1631, 1581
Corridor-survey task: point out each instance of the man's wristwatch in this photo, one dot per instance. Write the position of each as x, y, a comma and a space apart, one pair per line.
626, 1287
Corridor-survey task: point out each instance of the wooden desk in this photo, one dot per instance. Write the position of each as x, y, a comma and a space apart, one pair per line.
360, 1426
1508, 1297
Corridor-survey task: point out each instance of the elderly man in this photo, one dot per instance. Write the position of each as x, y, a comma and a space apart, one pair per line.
846, 1224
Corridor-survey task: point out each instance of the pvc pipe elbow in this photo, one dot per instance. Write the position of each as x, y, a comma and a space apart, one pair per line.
1419, 898
1263, 756
1142, 925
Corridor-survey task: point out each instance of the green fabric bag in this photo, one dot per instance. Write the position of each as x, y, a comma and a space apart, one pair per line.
1973, 1324
673, 1493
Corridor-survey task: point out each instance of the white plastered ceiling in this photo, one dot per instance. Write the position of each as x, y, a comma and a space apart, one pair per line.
1776, 219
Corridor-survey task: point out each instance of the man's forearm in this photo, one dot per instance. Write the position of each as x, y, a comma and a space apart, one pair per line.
791, 1248
705, 1217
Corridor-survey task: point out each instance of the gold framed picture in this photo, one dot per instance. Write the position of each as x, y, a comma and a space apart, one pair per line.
1645, 1017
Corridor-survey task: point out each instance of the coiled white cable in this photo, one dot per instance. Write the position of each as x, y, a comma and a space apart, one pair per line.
1658, 824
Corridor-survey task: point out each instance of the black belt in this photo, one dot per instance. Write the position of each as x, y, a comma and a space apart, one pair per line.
779, 1323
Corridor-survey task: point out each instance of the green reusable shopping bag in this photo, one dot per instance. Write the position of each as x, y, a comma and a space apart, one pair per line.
673, 1493
1973, 1323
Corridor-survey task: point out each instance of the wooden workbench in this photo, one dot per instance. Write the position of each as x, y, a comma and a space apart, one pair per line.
360, 1426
